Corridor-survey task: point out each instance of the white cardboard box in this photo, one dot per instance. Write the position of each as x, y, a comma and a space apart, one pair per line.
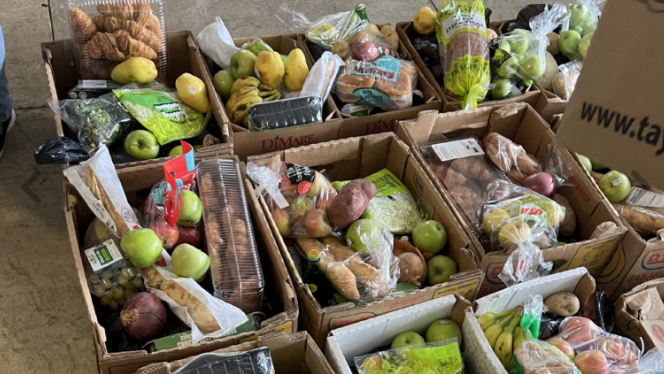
361, 338
480, 356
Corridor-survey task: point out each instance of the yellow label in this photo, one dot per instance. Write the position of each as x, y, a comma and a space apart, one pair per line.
249, 339
466, 290
594, 255
286, 328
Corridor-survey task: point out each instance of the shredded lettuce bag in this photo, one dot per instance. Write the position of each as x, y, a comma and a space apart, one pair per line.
432, 358
163, 114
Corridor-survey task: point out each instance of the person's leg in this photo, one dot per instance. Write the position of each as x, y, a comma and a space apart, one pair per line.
7, 114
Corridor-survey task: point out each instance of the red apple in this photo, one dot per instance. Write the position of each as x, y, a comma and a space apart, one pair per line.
592, 362
613, 348
190, 235
168, 235
366, 51
578, 330
542, 183
563, 346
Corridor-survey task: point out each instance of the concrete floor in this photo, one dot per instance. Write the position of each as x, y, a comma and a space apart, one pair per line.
43, 322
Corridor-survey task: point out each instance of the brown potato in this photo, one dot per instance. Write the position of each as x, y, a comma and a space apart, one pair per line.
563, 303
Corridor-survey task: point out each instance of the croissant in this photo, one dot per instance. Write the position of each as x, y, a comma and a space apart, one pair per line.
132, 47
99, 22
135, 29
84, 27
128, 11
105, 46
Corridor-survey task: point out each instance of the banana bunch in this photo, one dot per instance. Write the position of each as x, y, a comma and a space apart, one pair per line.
246, 92
503, 332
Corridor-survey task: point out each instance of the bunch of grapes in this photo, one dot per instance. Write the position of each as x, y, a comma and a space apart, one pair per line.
115, 286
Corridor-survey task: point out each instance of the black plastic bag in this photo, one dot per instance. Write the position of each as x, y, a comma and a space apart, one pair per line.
60, 150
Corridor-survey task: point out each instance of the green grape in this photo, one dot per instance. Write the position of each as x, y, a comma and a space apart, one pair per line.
131, 288
108, 274
138, 283
113, 305
97, 289
122, 301
118, 292
128, 294
123, 280
107, 284
94, 279
128, 272
105, 300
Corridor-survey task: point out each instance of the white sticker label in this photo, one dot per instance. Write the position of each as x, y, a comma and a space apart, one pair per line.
463, 20
639, 196
103, 256
94, 84
457, 149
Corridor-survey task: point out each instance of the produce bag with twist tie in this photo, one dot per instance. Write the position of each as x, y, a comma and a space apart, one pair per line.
510, 157
298, 198
442, 357
464, 50
363, 275
596, 350
326, 30
538, 356
581, 22
96, 180
564, 82
522, 53
216, 42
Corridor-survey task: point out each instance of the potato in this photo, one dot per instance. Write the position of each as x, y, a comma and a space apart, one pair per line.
553, 46
350, 203
568, 225
564, 84
564, 304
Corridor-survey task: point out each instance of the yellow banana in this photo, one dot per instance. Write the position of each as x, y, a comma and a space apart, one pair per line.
504, 344
488, 319
239, 95
519, 337
493, 331
241, 109
244, 82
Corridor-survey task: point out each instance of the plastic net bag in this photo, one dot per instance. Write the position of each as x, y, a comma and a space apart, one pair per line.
60, 150
107, 33
464, 49
565, 80
216, 42
96, 122
441, 357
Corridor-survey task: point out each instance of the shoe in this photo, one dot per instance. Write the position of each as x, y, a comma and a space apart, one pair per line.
6, 128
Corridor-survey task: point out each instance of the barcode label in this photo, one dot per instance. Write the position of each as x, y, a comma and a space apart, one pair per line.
94, 84
639, 196
457, 149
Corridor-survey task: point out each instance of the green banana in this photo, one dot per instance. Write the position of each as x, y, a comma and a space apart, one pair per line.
496, 329
488, 319
504, 344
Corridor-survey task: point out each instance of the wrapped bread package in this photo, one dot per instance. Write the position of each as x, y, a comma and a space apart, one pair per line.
279, 114
107, 33
234, 263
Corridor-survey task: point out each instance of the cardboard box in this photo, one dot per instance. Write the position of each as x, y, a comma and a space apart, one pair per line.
406, 31
297, 353
246, 143
640, 314
183, 56
356, 158
522, 124
385, 121
366, 337
481, 358
549, 106
137, 181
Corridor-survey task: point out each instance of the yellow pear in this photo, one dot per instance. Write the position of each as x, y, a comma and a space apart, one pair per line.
135, 70
269, 69
295, 71
192, 91
425, 21
391, 35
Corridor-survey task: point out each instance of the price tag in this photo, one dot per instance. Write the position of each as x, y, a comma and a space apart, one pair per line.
458, 149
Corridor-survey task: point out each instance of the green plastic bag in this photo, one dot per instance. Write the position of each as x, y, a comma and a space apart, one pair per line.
432, 358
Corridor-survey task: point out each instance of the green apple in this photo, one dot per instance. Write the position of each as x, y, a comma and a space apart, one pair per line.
300, 206
430, 236
176, 151
198, 147
407, 339
580, 15
585, 161
597, 165
443, 329
502, 88
440, 269
142, 246
190, 262
141, 145
191, 209
519, 41
584, 44
242, 64
588, 30
364, 233
531, 67
508, 67
223, 81
615, 186
569, 44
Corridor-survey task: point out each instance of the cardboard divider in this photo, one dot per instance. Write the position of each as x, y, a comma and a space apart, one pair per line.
183, 56
357, 158
297, 353
137, 182
450, 104
550, 105
524, 126
362, 338
640, 314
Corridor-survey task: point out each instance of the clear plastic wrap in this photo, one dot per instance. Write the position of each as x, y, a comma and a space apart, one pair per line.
96, 122
464, 49
109, 32
564, 82
510, 157
256, 361
525, 263
540, 357
235, 266
441, 357
578, 30
216, 42
273, 115
322, 75
161, 111
652, 360
385, 82
365, 45
645, 221
298, 198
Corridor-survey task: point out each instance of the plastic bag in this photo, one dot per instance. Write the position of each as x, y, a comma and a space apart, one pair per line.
536, 356
60, 150
323, 74
464, 49
441, 357
652, 360
385, 82
107, 33
162, 112
510, 157
577, 32
298, 198
365, 45
513, 215
525, 263
565, 80
521, 53
98, 184
256, 361
96, 122
216, 42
